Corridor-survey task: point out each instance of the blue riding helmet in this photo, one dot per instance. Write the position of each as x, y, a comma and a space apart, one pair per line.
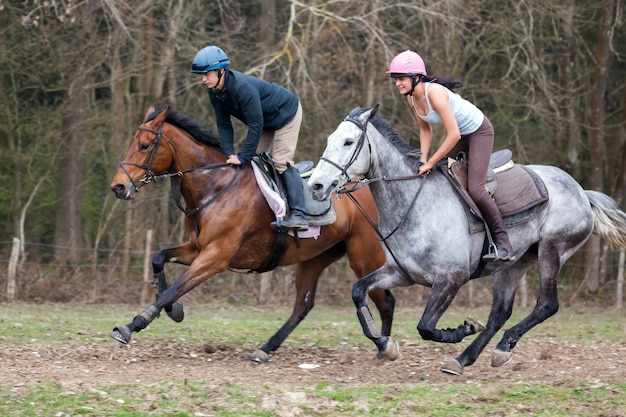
209, 58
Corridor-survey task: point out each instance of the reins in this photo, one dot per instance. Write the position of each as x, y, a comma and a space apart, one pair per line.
364, 182
176, 187
374, 226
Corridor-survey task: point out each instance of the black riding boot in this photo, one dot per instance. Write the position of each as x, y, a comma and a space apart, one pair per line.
296, 220
495, 222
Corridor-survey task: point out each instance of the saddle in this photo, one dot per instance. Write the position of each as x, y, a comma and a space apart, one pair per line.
271, 187
517, 190
318, 213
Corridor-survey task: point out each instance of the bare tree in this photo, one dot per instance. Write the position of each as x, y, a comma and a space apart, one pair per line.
597, 149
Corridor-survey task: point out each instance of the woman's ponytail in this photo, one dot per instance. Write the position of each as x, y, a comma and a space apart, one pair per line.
448, 82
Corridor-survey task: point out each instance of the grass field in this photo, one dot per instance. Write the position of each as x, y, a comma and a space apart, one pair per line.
167, 371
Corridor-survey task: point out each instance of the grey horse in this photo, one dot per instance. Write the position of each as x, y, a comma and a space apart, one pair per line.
423, 226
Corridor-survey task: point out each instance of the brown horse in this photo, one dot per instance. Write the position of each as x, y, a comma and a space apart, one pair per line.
228, 224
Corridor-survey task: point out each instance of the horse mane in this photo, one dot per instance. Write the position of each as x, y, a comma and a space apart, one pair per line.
384, 127
193, 128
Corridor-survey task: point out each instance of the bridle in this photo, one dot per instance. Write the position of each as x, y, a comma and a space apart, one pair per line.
360, 183
176, 177
355, 154
149, 176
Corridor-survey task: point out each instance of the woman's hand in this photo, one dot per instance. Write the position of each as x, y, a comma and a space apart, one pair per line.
425, 168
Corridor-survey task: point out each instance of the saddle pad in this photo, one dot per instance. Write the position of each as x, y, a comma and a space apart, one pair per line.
520, 196
319, 213
276, 203
519, 189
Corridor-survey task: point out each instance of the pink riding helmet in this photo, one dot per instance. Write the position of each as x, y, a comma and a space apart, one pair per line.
406, 63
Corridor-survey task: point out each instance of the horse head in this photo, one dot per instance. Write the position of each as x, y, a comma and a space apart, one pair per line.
145, 158
345, 156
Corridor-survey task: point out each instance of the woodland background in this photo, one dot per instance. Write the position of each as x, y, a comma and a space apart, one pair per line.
76, 77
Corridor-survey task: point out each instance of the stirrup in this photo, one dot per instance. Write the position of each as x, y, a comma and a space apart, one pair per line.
283, 225
499, 254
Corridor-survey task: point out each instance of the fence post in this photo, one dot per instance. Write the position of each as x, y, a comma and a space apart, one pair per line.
13, 262
145, 290
620, 280
265, 286
523, 291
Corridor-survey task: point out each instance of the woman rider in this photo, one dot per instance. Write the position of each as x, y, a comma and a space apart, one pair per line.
468, 130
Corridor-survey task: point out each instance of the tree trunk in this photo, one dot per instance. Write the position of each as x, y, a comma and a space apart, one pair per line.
597, 150
71, 179
570, 128
268, 24
372, 87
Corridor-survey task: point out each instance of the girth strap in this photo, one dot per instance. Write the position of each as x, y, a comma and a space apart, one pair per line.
278, 252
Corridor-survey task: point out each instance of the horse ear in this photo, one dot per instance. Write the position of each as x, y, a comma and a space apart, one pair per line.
374, 110
151, 110
369, 114
160, 118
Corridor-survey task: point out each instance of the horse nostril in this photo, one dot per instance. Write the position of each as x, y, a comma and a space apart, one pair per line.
317, 187
118, 189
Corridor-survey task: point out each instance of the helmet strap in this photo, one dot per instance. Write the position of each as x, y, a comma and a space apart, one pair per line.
220, 74
415, 80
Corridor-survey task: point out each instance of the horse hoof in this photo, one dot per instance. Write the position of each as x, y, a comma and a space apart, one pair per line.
392, 350
259, 356
478, 326
121, 333
176, 313
453, 367
499, 358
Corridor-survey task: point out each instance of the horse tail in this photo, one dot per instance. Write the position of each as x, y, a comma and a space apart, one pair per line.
609, 219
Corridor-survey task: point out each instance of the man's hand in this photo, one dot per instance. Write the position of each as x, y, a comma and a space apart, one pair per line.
233, 160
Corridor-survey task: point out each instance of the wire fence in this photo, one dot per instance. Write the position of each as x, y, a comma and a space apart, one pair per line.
112, 275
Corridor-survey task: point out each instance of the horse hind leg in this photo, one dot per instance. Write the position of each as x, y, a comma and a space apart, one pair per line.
504, 289
547, 305
307, 276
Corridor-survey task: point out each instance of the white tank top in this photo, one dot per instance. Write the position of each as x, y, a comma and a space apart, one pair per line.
467, 115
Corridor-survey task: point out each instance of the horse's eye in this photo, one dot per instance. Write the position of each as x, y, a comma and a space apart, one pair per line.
144, 146
348, 142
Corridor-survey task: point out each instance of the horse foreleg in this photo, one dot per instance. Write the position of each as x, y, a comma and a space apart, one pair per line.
122, 332
444, 290
363, 265
385, 303
307, 275
183, 254
200, 270
381, 279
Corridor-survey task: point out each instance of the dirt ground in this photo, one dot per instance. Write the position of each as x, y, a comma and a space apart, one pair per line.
86, 364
